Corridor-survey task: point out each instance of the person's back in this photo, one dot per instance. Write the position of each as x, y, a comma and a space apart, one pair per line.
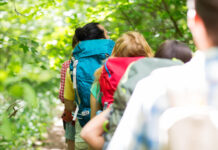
194, 83
87, 57
112, 72
167, 51
113, 69
91, 47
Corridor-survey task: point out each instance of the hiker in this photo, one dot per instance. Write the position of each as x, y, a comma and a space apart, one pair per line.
108, 76
130, 47
170, 49
90, 47
191, 87
68, 124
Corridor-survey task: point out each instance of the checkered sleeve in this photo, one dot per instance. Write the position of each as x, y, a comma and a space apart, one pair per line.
65, 65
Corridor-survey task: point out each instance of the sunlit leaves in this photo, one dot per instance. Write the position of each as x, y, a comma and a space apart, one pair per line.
25, 75
36, 39
30, 95
150, 18
27, 45
6, 127
3, 75
16, 90
3, 2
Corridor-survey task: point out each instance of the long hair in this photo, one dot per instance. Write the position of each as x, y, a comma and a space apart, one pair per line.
130, 44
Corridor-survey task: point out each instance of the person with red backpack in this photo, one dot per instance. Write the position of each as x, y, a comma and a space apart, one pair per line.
91, 46
109, 75
130, 47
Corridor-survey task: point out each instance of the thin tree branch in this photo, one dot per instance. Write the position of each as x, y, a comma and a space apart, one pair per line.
178, 32
15, 9
127, 18
8, 57
14, 109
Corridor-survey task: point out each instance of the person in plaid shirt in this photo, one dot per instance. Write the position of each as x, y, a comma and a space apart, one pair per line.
192, 84
67, 117
89, 32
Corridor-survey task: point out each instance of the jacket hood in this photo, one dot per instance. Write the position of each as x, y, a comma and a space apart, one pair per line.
93, 47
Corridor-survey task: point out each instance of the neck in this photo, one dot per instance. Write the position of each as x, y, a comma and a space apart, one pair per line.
204, 43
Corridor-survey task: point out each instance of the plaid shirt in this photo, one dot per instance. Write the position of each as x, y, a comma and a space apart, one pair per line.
65, 65
165, 88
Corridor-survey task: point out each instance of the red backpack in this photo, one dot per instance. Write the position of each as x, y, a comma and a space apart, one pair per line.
113, 70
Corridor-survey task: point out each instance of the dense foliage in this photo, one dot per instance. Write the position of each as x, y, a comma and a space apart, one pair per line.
35, 38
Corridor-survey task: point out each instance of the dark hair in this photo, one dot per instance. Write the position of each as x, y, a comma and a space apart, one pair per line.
208, 11
88, 32
174, 49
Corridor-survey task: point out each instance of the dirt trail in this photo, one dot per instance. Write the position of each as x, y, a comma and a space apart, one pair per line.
55, 137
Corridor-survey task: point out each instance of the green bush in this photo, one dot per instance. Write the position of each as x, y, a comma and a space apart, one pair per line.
35, 39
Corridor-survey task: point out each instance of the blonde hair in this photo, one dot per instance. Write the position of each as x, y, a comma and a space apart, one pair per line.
130, 44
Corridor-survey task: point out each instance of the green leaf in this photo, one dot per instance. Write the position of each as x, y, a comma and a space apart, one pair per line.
43, 67
34, 43
24, 47
16, 90
5, 128
44, 76
30, 95
3, 75
33, 50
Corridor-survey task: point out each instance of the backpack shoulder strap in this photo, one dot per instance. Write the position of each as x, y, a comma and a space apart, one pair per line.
106, 68
73, 67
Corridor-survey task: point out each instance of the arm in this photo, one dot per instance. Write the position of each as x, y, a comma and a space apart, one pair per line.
95, 106
69, 94
95, 98
92, 132
69, 105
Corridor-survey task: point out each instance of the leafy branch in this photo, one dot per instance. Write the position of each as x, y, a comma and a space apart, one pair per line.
178, 32
15, 9
127, 18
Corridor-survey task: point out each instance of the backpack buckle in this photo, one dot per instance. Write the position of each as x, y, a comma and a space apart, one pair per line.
85, 113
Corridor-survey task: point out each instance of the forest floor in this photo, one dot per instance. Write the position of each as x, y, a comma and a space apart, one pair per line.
55, 139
